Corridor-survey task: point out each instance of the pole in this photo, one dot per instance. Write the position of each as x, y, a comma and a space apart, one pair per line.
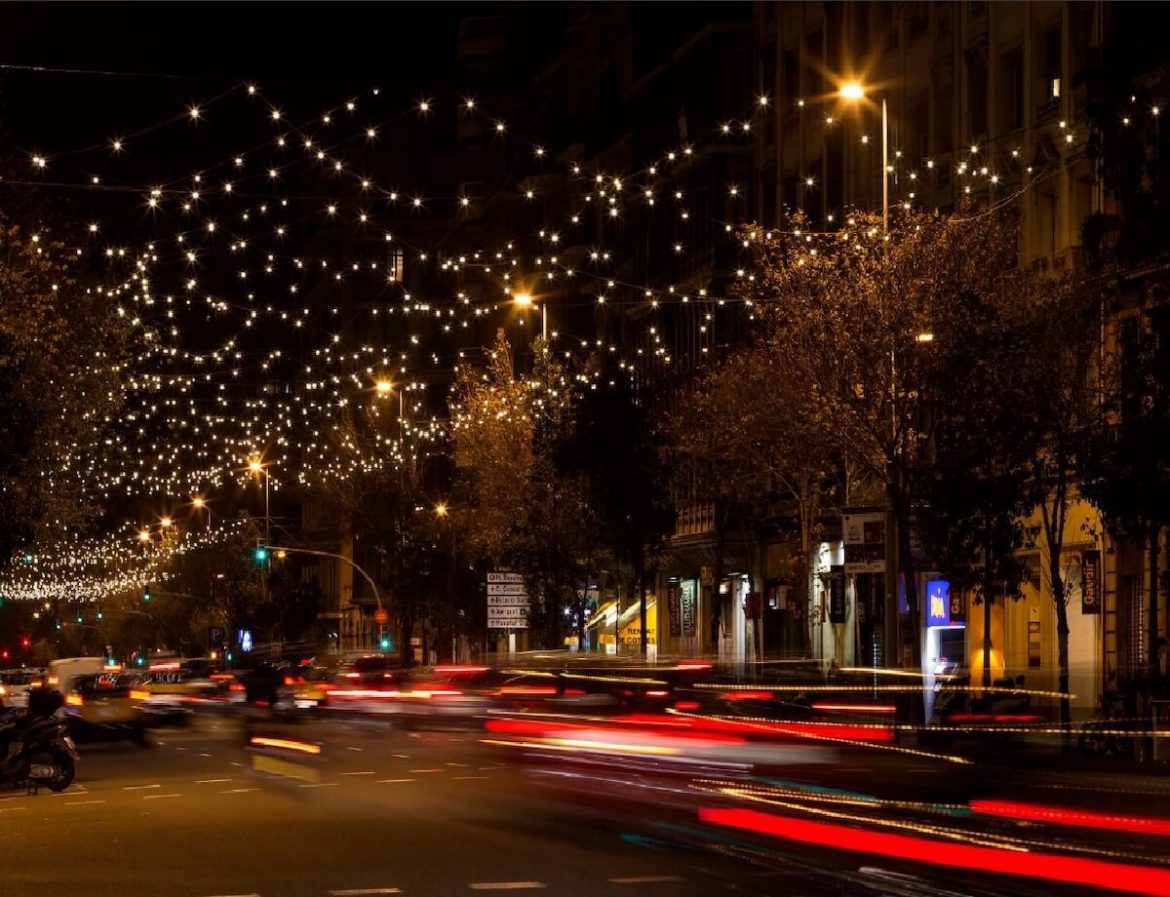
885, 168
544, 322
267, 518
330, 554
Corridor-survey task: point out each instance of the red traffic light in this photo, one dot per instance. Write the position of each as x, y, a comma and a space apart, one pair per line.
24, 642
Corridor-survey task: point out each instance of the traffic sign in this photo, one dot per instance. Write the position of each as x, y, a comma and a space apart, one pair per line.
498, 576
381, 617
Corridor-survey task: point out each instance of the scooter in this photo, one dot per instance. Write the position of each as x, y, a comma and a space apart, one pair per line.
35, 749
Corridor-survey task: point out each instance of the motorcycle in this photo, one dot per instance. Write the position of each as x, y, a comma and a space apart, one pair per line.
35, 749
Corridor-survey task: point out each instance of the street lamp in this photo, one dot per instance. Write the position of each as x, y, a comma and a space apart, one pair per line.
199, 503
526, 300
853, 92
257, 469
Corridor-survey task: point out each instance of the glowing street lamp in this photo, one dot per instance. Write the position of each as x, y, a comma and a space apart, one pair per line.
144, 535
165, 522
853, 92
527, 300
441, 509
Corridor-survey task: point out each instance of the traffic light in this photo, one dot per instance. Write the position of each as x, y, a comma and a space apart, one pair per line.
261, 554
146, 593
385, 643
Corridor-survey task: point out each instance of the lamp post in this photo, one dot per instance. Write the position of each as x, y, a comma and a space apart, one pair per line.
526, 300
854, 92
257, 468
199, 503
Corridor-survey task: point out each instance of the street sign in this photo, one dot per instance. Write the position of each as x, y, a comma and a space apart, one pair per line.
216, 635
507, 600
381, 617
497, 576
507, 617
506, 588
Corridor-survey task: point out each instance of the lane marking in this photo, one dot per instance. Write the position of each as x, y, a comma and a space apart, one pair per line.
505, 885
80, 803
402, 756
357, 892
355, 749
253, 894
428, 770
11, 809
139, 787
645, 879
159, 796
369, 773
449, 763
465, 778
239, 790
211, 781
392, 781
319, 784
201, 754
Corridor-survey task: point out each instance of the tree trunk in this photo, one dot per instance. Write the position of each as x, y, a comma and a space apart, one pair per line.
405, 631
901, 505
986, 639
716, 602
639, 584
1058, 599
1152, 548
803, 577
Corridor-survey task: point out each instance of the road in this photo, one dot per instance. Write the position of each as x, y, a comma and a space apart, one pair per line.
439, 813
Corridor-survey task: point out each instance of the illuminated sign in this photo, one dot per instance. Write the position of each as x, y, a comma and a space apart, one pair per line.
938, 602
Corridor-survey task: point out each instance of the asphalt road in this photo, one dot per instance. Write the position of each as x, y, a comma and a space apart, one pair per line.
433, 813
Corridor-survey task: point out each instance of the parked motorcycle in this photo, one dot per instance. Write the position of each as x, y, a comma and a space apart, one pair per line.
35, 750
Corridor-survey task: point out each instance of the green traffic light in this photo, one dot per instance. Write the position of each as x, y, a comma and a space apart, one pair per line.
261, 554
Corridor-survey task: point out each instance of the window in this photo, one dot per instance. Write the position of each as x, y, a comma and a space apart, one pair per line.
977, 90
919, 18
1010, 102
814, 63
887, 26
1050, 66
942, 19
394, 264
860, 31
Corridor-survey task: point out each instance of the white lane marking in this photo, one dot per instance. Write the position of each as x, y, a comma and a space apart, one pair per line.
428, 770
79, 803
201, 754
319, 784
159, 796
139, 787
465, 778
239, 790
357, 892
11, 809
180, 749
211, 781
355, 749
449, 763
253, 894
505, 885
237, 763
369, 773
645, 879
402, 756
392, 781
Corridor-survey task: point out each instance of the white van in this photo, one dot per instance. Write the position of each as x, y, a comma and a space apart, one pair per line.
62, 672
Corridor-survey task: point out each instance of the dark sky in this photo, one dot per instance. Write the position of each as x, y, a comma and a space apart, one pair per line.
304, 55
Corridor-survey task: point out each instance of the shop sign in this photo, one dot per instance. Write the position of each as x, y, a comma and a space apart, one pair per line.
673, 609
689, 601
837, 594
1091, 582
938, 602
865, 542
